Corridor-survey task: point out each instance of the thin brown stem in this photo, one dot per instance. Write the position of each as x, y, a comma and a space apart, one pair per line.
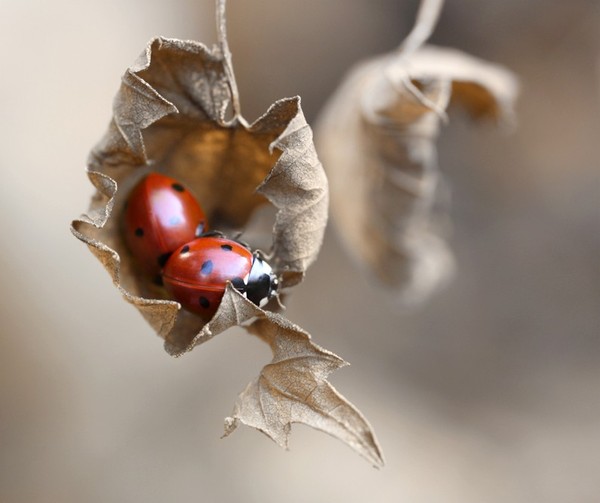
226, 53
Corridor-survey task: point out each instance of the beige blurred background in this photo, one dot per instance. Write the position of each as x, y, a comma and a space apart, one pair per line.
489, 393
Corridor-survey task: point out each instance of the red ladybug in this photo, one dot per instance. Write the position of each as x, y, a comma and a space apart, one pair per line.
160, 216
196, 274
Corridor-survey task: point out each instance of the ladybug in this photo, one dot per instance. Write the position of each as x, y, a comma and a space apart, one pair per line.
197, 273
160, 216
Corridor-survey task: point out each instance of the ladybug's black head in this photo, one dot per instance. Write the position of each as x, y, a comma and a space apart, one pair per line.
262, 282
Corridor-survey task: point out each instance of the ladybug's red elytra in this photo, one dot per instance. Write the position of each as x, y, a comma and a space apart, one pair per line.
160, 216
197, 273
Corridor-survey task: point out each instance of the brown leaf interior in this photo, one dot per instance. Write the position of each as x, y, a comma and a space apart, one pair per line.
221, 165
476, 100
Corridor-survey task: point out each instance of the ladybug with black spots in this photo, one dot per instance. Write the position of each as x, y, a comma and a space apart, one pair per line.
197, 273
160, 216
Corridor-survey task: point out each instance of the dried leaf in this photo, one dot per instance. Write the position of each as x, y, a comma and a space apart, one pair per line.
293, 388
377, 139
170, 116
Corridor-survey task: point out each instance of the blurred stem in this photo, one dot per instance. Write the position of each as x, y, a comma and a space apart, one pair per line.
226, 53
427, 18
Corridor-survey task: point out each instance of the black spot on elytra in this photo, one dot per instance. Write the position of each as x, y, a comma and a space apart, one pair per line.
178, 187
162, 259
139, 232
204, 302
185, 249
207, 267
226, 247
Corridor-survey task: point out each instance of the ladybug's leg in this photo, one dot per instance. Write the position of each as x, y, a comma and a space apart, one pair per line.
212, 234
263, 255
200, 229
279, 302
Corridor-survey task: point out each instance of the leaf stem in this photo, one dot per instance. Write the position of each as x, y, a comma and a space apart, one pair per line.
226, 53
427, 18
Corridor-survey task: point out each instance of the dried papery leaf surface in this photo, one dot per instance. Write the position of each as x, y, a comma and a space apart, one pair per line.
171, 115
293, 388
377, 137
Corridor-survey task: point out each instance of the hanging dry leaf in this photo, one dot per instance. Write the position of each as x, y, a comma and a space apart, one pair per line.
170, 116
377, 139
177, 112
293, 388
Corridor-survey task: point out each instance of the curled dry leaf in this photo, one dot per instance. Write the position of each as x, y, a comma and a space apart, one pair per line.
170, 115
293, 388
377, 138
